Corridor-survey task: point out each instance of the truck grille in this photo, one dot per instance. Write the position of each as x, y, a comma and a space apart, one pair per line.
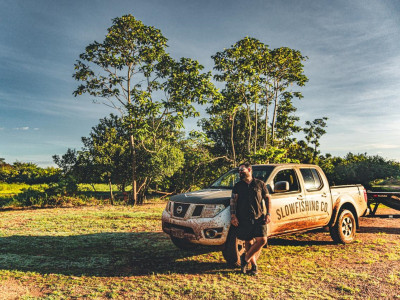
168, 226
180, 209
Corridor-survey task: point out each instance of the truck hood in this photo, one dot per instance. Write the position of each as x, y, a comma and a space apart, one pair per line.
206, 196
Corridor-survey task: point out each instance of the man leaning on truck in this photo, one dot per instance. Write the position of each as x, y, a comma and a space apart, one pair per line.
250, 215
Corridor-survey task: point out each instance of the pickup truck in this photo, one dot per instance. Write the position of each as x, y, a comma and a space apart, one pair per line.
301, 200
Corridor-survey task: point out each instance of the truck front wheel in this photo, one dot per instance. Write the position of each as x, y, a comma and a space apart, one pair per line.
233, 248
183, 243
344, 229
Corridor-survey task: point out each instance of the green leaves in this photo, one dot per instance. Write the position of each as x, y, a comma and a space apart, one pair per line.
154, 93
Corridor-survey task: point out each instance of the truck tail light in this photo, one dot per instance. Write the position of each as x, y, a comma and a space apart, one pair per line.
365, 196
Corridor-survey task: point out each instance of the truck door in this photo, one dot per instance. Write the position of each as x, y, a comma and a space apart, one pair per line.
318, 201
286, 211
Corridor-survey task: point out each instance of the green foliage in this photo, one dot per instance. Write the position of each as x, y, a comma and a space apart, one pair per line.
360, 168
28, 173
314, 131
201, 166
272, 155
12, 188
54, 194
153, 92
255, 78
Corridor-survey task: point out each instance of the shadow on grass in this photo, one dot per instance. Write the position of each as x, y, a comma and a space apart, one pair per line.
103, 254
387, 230
291, 242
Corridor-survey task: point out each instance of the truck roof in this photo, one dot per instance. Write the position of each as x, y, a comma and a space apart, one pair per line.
284, 164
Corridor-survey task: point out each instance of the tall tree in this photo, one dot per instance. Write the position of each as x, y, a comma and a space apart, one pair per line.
131, 72
314, 131
284, 70
239, 69
286, 121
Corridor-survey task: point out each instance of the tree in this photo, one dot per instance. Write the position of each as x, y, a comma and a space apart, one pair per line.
360, 168
153, 92
256, 77
272, 155
202, 164
239, 68
286, 121
314, 132
284, 70
228, 141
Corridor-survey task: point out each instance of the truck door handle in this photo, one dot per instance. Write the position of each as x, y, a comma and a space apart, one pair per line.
300, 197
324, 195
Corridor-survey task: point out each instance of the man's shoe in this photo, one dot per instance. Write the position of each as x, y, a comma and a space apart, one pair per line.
254, 270
243, 263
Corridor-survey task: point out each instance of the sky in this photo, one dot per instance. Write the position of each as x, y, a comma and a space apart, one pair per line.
352, 47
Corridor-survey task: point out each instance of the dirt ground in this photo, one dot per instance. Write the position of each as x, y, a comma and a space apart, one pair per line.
386, 220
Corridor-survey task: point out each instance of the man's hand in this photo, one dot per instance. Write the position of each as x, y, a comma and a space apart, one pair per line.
234, 220
267, 219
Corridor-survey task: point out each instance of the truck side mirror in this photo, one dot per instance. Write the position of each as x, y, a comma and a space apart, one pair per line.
281, 186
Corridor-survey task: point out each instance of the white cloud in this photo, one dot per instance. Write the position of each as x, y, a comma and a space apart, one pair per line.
22, 128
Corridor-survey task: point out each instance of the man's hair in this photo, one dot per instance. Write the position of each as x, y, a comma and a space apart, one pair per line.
247, 165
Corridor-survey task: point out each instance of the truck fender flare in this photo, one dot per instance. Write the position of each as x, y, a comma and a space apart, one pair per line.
341, 204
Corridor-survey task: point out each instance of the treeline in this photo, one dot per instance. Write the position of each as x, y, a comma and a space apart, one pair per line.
29, 173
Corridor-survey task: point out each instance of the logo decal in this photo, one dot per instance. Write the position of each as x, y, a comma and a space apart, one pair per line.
179, 209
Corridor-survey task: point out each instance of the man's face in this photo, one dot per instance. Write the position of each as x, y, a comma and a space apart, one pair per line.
243, 172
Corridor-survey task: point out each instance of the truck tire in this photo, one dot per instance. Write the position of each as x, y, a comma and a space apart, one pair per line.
233, 248
183, 243
344, 229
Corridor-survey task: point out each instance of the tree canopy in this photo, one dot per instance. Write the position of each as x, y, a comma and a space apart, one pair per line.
132, 72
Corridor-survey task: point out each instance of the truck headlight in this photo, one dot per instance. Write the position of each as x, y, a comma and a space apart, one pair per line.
211, 210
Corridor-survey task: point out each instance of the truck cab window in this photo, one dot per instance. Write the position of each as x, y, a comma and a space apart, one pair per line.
312, 180
290, 176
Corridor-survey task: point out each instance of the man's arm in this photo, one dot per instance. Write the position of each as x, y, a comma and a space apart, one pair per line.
268, 214
267, 200
233, 205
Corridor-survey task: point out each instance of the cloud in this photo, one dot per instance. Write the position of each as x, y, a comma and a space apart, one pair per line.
59, 106
22, 128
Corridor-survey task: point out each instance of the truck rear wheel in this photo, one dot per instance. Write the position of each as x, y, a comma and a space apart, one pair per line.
183, 243
344, 229
233, 248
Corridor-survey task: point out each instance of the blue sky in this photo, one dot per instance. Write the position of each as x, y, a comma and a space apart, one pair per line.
353, 66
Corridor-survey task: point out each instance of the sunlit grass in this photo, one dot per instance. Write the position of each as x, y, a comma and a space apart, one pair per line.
15, 188
120, 252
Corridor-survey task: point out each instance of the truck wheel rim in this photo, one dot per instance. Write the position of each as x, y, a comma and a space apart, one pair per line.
347, 226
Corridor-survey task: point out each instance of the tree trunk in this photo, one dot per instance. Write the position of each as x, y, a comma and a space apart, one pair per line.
249, 124
111, 192
132, 143
134, 181
256, 128
232, 142
266, 125
274, 117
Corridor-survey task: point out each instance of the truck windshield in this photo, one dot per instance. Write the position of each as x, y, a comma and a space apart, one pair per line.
228, 180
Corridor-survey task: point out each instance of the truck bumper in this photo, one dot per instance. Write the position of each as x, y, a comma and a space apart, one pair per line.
204, 231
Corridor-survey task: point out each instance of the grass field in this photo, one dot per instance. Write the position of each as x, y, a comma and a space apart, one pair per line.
105, 252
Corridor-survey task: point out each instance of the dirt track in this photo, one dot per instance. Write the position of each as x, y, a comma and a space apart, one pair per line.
386, 220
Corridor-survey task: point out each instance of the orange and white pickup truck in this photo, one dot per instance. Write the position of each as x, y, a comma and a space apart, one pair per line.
301, 200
